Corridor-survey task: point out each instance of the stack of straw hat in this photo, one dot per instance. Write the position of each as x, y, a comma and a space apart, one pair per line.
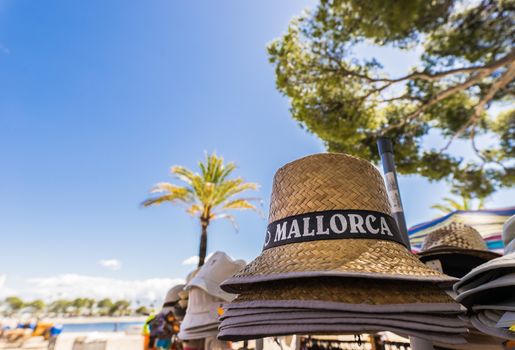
334, 262
488, 291
456, 249
205, 298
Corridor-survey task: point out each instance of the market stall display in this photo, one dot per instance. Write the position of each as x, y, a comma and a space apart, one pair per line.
171, 302
455, 249
333, 253
488, 222
488, 291
205, 298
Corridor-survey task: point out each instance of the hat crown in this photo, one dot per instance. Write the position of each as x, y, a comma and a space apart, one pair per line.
173, 293
327, 181
455, 235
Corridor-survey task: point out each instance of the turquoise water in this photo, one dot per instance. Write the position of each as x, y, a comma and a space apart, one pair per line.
100, 326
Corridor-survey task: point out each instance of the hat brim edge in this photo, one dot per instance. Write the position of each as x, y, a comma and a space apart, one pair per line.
488, 255
230, 285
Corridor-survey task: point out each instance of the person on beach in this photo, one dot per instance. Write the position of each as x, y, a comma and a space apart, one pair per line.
146, 332
163, 328
54, 332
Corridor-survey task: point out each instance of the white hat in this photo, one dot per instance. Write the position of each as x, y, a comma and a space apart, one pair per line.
510, 247
190, 335
495, 290
485, 272
202, 312
504, 305
172, 297
508, 231
217, 269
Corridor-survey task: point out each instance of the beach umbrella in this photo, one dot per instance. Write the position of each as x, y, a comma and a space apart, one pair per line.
488, 222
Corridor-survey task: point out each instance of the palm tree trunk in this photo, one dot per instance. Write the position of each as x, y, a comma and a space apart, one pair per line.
204, 223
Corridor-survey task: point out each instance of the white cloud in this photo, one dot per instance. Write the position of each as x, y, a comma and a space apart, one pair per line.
4, 290
193, 260
74, 285
112, 264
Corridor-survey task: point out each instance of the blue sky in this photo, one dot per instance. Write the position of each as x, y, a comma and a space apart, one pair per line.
98, 99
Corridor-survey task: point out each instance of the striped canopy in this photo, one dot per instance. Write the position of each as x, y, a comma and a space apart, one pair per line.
488, 222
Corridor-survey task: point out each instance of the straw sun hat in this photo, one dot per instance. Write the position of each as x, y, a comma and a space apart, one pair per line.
365, 296
330, 216
455, 249
456, 238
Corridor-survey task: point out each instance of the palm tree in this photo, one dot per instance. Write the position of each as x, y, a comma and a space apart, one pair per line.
207, 195
453, 205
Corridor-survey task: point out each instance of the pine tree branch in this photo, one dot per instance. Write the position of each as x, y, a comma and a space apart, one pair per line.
437, 76
497, 85
425, 75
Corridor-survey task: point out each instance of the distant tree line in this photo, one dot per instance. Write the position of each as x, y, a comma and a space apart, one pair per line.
71, 307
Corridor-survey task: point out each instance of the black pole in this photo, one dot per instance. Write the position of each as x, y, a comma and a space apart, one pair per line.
385, 147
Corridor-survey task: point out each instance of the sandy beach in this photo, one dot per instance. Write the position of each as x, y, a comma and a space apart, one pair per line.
112, 340
130, 339
79, 320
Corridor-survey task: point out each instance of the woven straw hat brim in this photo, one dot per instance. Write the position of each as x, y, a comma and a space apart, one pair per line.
320, 316
486, 255
351, 294
256, 332
367, 258
257, 311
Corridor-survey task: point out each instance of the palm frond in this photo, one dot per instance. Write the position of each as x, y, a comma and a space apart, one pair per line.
453, 203
209, 191
159, 200
184, 174
466, 203
226, 171
231, 188
238, 204
171, 193
229, 217
194, 210
164, 187
443, 208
